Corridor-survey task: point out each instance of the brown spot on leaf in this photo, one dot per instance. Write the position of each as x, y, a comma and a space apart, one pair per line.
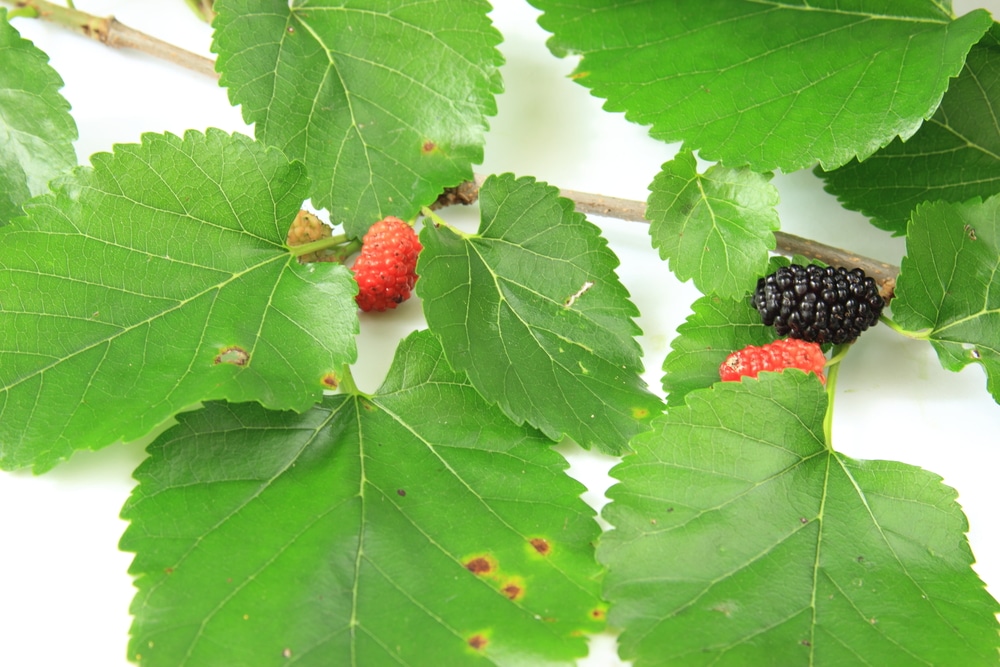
598, 614
541, 545
480, 565
428, 147
478, 642
168, 570
234, 354
330, 381
513, 591
400, 492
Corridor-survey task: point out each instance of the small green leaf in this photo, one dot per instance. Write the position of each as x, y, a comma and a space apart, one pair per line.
531, 309
955, 156
948, 289
418, 526
772, 85
714, 227
715, 328
156, 279
36, 129
741, 539
385, 102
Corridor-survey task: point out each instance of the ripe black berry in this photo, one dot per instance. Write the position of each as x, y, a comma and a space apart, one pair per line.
818, 304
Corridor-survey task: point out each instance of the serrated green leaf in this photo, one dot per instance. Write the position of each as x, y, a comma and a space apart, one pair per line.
741, 539
531, 309
715, 328
955, 156
769, 85
156, 279
715, 228
418, 526
36, 129
385, 101
948, 288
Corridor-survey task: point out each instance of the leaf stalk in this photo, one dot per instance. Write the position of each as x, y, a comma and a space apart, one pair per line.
833, 366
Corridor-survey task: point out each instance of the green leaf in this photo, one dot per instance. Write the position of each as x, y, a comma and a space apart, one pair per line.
714, 227
156, 279
36, 129
954, 157
715, 328
764, 84
418, 526
741, 539
531, 309
385, 101
948, 289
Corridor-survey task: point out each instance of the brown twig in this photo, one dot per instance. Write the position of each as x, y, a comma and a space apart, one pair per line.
112, 32
109, 30
787, 244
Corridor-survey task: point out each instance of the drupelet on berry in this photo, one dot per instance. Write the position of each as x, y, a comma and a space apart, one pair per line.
386, 268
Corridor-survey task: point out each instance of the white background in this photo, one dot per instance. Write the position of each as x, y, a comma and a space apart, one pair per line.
64, 589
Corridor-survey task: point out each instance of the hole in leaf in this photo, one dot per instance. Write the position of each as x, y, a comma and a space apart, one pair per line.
234, 354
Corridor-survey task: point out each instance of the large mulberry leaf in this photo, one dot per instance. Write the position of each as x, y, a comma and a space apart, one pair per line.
385, 101
740, 538
418, 526
530, 307
716, 227
955, 156
772, 85
156, 279
36, 129
948, 290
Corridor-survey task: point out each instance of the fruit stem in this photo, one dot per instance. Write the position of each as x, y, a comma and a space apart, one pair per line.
315, 246
831, 389
923, 334
839, 352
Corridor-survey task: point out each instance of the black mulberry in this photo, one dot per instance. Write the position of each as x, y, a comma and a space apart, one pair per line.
818, 304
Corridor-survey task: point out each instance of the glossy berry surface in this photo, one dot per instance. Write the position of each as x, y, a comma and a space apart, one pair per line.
775, 356
386, 268
818, 304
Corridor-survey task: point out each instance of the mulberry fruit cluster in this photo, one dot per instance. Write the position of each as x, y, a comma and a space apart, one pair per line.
386, 268
818, 304
775, 356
